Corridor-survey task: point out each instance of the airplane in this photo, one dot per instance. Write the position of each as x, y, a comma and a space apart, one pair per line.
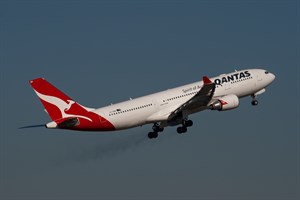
171, 107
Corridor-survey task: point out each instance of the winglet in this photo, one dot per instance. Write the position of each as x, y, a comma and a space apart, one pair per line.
206, 80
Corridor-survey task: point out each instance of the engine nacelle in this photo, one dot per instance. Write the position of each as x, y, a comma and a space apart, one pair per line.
227, 102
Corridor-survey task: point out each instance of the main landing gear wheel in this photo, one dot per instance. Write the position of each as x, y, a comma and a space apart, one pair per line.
185, 123
181, 129
156, 129
152, 135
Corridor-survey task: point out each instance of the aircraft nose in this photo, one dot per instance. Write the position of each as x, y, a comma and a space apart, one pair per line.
272, 77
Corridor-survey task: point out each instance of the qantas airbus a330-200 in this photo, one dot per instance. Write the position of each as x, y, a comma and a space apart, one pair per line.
167, 108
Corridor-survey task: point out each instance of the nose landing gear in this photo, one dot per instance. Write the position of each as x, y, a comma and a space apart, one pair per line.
254, 102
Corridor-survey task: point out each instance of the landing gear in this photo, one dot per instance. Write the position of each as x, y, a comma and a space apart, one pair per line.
152, 135
156, 128
185, 124
254, 102
181, 129
159, 127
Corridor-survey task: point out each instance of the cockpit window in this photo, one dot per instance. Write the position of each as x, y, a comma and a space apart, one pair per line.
266, 72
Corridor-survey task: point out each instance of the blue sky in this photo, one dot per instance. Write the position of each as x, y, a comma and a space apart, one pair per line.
102, 52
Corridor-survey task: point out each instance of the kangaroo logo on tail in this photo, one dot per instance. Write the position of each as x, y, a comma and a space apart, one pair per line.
61, 105
57, 103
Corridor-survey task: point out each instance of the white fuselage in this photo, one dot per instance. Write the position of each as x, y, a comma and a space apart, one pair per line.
156, 107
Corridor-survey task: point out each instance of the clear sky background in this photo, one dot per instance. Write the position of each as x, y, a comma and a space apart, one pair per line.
102, 52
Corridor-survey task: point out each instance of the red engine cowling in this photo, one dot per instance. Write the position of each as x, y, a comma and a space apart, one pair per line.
227, 102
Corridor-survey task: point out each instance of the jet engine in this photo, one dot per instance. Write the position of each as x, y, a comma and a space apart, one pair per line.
227, 102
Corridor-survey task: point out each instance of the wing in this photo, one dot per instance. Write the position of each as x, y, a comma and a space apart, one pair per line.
198, 101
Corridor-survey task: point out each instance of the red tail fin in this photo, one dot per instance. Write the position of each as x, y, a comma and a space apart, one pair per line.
57, 104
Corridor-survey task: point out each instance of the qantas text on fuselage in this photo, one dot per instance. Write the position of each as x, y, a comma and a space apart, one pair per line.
171, 107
